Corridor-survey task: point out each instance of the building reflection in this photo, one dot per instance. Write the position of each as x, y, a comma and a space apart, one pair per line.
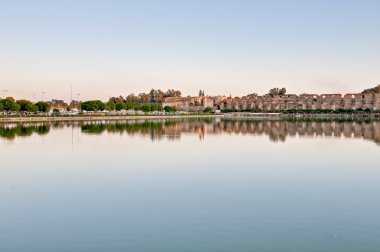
276, 130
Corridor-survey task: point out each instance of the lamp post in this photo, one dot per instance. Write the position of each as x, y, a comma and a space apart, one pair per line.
78, 101
43, 95
34, 98
4, 91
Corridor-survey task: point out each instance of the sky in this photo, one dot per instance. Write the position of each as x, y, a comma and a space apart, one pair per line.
111, 48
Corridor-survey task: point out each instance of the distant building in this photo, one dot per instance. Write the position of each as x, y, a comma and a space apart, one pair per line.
368, 101
59, 105
196, 103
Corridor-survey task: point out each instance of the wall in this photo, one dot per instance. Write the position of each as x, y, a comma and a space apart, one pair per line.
285, 102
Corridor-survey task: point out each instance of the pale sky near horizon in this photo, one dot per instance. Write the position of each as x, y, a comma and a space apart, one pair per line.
110, 48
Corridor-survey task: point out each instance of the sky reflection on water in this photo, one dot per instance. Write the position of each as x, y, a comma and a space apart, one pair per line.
199, 185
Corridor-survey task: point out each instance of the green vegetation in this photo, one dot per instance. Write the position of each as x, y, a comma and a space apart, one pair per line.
170, 108
110, 106
277, 91
154, 96
42, 106
27, 106
208, 110
10, 105
95, 105
372, 90
22, 130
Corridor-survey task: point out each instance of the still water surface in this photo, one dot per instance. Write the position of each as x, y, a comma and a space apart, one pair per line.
190, 185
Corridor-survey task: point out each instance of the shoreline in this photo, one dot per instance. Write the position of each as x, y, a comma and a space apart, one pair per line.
103, 118
262, 116
300, 116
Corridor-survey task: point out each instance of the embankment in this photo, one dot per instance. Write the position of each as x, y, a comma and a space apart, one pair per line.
97, 118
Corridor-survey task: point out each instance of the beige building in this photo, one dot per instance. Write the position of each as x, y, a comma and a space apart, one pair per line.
278, 102
197, 103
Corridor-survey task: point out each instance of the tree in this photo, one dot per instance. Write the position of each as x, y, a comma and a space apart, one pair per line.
282, 91
116, 100
208, 110
146, 107
277, 91
95, 105
172, 93
170, 108
132, 98
42, 106
177, 93
9, 104
252, 95
273, 92
110, 106
372, 90
27, 106
144, 98
156, 96
119, 106
155, 107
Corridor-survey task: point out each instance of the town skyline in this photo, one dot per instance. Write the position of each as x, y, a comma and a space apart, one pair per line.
276, 100
75, 95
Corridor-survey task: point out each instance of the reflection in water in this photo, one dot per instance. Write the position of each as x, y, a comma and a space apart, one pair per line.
10, 131
277, 130
116, 190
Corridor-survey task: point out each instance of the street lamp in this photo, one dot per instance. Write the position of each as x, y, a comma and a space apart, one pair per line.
4, 91
34, 97
78, 102
43, 95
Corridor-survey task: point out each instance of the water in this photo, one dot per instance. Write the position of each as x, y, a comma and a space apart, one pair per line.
190, 185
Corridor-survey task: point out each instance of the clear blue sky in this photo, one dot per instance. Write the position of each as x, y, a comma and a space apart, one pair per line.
106, 48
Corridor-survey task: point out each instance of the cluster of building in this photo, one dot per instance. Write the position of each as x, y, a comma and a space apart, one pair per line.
62, 106
357, 101
367, 101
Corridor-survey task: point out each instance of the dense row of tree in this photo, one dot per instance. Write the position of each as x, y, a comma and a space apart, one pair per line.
144, 101
154, 96
9, 104
97, 105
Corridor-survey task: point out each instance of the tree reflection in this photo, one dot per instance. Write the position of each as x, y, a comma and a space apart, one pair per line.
276, 130
11, 131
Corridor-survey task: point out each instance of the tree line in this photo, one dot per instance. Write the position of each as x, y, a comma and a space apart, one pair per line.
97, 105
154, 96
10, 104
146, 102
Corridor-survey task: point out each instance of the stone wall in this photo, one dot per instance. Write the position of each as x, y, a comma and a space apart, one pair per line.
284, 102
